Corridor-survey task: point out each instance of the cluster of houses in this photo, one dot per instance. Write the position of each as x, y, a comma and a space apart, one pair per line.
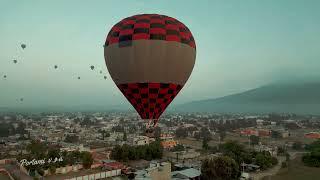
100, 134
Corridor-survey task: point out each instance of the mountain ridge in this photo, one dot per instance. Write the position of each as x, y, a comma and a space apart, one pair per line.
302, 98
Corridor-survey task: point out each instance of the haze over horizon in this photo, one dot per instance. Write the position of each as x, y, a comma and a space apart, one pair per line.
240, 46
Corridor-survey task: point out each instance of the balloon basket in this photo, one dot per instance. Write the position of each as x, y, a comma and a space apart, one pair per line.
150, 133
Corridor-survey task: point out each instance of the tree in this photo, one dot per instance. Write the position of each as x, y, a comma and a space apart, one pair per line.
205, 133
220, 168
157, 132
6, 129
262, 161
178, 147
222, 134
87, 159
53, 152
133, 155
254, 140
124, 136
287, 157
52, 169
71, 139
86, 121
148, 152
276, 134
297, 145
21, 128
281, 151
103, 133
181, 132
118, 128
265, 160
313, 146
116, 152
37, 149
313, 157
284, 164
205, 144
76, 120
234, 150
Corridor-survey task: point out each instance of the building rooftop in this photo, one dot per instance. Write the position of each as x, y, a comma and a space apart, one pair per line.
189, 173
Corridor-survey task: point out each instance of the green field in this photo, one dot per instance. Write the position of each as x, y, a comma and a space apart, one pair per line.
296, 171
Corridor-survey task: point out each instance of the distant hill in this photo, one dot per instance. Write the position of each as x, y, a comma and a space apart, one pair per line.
78, 108
300, 98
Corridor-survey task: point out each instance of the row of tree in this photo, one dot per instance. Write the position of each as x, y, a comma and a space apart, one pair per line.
229, 125
222, 167
148, 152
228, 165
313, 157
41, 151
238, 152
7, 129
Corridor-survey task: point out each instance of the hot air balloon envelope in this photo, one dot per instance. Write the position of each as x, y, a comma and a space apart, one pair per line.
150, 57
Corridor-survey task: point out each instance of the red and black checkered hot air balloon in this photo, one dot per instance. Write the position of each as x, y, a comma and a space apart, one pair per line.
150, 57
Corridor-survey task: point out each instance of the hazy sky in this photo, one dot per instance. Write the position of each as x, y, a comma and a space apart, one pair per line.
240, 45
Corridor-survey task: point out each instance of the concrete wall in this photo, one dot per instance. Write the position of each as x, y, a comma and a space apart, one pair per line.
100, 175
66, 169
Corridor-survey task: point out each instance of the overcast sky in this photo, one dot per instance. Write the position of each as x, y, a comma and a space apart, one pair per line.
240, 45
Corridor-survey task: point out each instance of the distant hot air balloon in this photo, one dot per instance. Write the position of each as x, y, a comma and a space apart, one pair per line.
23, 46
5, 76
55, 66
150, 58
78, 77
15, 61
21, 99
105, 77
100, 72
92, 67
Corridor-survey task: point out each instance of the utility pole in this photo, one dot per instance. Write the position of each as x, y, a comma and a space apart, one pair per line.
242, 167
219, 143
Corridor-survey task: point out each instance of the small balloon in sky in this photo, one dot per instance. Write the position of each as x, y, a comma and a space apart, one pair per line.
92, 67
100, 72
23, 46
105, 77
78, 77
15, 61
55, 66
21, 99
5, 76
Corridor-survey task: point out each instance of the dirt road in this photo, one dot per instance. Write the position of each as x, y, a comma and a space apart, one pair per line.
269, 172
